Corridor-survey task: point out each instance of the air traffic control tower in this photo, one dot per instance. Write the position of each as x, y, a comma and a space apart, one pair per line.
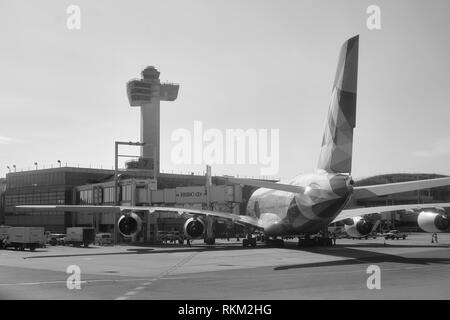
147, 93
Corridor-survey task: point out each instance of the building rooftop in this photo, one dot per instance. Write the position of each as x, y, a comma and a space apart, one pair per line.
396, 177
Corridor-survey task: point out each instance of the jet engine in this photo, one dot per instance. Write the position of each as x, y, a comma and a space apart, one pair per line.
130, 224
358, 227
433, 221
194, 228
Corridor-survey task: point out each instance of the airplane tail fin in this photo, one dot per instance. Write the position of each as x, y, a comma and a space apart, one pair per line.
337, 143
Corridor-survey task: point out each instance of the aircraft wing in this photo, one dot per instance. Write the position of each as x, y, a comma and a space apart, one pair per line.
392, 188
351, 213
358, 192
234, 218
268, 185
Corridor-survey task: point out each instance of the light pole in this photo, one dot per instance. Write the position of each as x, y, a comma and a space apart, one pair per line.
59, 161
36, 164
9, 169
116, 171
116, 163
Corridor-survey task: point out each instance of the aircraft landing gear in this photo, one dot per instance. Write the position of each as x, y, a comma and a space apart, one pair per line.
210, 241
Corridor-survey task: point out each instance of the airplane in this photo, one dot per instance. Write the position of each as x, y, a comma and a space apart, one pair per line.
305, 205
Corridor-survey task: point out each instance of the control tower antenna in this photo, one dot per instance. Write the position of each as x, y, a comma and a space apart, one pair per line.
147, 93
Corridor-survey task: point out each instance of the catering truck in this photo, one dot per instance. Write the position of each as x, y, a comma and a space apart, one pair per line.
23, 238
78, 236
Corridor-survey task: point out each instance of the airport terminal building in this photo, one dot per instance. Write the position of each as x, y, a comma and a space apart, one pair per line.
82, 186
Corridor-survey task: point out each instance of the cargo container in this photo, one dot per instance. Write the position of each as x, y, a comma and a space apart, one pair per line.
78, 236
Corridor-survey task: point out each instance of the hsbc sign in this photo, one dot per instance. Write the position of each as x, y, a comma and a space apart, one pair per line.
190, 194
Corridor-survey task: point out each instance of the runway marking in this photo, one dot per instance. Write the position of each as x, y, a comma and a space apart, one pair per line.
148, 282
65, 281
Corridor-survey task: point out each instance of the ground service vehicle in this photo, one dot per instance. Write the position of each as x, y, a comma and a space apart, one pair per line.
57, 239
78, 236
102, 239
24, 238
170, 236
395, 235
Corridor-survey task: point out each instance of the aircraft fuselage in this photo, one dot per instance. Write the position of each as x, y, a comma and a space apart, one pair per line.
285, 213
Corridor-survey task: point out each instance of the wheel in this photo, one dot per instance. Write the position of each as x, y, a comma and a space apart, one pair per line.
244, 242
32, 248
404, 237
253, 242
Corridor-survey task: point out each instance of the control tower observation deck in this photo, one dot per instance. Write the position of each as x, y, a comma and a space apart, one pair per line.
147, 93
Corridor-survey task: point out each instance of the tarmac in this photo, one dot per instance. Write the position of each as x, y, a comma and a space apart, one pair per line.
413, 268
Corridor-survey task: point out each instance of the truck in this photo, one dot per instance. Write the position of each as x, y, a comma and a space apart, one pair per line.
21, 238
78, 236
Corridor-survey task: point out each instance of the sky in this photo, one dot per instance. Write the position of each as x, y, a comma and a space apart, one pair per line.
247, 64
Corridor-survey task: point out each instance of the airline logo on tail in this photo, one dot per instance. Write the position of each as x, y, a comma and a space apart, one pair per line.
337, 143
